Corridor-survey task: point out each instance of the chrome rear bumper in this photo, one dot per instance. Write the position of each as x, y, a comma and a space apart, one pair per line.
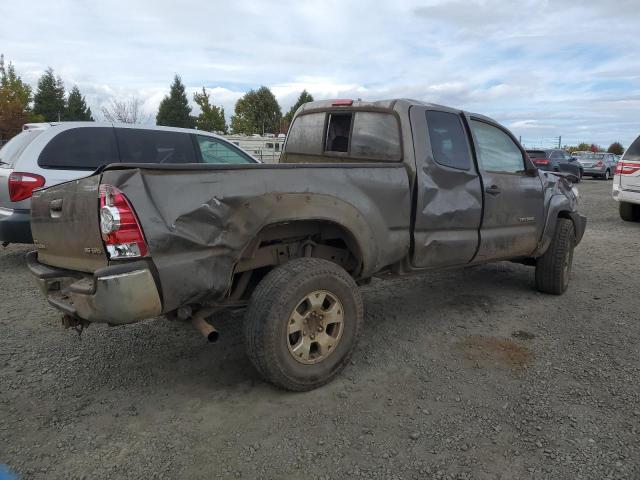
116, 295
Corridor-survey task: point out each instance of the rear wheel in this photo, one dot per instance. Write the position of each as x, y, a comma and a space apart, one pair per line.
302, 323
553, 269
629, 212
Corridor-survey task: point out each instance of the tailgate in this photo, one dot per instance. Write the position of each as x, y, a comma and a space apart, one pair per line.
65, 225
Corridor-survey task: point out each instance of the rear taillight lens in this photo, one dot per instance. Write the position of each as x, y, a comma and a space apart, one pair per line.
540, 161
22, 185
119, 225
627, 168
623, 168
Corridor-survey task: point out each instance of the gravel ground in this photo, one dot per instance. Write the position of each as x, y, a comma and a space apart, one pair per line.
466, 374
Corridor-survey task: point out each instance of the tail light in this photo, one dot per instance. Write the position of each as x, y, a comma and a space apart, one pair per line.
22, 185
342, 102
627, 168
119, 225
599, 164
540, 161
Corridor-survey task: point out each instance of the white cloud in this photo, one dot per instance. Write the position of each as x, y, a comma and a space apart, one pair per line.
554, 68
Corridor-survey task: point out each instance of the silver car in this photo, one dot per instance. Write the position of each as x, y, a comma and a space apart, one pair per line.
599, 165
46, 154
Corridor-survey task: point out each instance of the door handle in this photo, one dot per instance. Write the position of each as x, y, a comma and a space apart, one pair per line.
492, 190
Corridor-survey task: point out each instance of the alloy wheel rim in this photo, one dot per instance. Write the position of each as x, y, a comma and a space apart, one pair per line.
315, 327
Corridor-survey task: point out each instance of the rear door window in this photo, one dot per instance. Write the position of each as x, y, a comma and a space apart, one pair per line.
155, 146
85, 148
497, 151
448, 140
213, 150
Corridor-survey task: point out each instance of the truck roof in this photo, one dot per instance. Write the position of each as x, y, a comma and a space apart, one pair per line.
389, 104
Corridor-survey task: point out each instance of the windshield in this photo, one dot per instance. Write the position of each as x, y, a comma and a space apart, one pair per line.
593, 156
12, 150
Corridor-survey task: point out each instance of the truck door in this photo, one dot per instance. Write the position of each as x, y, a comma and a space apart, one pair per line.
448, 190
513, 215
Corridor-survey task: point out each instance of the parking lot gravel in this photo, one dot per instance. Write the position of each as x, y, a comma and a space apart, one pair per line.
465, 374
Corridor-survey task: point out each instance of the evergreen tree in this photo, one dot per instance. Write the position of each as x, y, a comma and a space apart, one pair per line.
49, 99
616, 147
76, 109
174, 109
304, 97
15, 100
211, 118
257, 112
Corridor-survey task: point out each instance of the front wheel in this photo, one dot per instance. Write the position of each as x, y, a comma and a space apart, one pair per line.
302, 323
554, 267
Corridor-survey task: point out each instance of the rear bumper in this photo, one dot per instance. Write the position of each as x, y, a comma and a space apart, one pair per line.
116, 295
15, 226
629, 196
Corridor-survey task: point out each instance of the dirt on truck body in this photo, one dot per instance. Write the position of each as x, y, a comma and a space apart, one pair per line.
362, 188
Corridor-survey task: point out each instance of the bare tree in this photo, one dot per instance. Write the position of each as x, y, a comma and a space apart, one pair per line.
125, 111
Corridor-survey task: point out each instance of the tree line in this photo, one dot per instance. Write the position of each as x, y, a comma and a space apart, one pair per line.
616, 148
257, 111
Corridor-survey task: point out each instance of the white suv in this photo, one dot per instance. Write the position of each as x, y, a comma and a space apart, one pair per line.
626, 183
46, 154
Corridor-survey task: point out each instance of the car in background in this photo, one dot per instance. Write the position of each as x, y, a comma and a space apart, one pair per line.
47, 154
626, 183
580, 153
598, 164
556, 160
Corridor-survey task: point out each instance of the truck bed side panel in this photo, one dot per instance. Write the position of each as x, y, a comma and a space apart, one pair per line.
198, 222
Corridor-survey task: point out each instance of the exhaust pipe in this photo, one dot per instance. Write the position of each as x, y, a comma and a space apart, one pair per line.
204, 327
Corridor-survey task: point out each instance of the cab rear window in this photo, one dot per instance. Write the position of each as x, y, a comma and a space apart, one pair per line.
351, 134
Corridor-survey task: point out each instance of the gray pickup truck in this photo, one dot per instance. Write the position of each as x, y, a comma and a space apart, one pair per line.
392, 187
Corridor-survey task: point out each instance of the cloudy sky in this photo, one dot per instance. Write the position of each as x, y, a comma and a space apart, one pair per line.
543, 68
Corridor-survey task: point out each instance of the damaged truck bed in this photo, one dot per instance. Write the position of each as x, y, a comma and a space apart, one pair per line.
363, 188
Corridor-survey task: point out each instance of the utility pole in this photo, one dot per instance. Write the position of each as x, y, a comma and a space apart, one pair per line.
560, 141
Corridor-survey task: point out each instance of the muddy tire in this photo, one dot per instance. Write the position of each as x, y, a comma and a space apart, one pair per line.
553, 269
302, 324
629, 212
